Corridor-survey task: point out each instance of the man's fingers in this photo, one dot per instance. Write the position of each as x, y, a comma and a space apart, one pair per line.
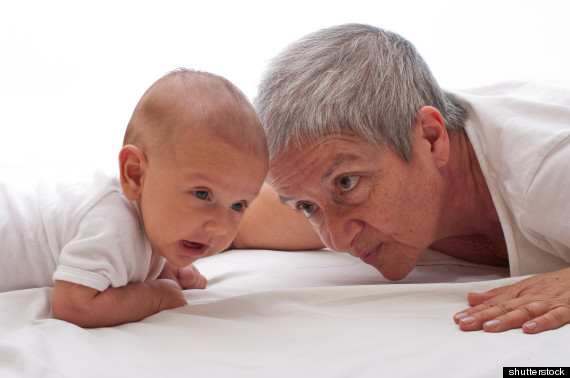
553, 319
473, 319
476, 299
500, 315
537, 303
480, 302
533, 317
517, 317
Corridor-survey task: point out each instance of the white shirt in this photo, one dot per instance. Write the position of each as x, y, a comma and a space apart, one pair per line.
86, 232
521, 135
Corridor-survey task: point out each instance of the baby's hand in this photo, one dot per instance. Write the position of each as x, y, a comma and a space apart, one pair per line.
167, 294
190, 278
187, 277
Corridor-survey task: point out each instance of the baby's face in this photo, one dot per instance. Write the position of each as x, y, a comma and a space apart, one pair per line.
194, 198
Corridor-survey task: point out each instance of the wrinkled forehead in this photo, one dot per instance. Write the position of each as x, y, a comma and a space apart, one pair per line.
287, 158
315, 160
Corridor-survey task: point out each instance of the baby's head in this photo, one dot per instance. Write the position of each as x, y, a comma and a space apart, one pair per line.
194, 157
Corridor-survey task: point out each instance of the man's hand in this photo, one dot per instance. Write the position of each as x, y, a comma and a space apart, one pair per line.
187, 277
538, 303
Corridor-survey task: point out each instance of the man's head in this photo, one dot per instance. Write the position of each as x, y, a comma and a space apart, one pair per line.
194, 157
357, 129
350, 79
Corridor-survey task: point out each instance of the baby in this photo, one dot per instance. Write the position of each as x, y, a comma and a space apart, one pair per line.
119, 250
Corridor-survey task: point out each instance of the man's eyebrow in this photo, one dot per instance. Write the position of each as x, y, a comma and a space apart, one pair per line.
338, 160
284, 199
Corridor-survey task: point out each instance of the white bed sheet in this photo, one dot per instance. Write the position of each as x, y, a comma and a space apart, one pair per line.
284, 314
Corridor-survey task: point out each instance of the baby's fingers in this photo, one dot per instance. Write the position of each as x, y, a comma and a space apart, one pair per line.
190, 278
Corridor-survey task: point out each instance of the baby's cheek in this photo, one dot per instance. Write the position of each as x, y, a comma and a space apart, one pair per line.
223, 244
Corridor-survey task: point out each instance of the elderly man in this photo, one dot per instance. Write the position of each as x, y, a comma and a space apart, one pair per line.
384, 164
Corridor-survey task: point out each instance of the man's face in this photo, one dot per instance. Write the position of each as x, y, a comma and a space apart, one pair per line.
364, 199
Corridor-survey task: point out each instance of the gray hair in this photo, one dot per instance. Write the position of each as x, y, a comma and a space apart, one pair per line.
355, 79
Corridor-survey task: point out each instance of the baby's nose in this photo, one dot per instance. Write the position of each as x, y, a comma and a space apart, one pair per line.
218, 223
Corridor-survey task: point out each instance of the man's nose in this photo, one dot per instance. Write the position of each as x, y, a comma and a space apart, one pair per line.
342, 227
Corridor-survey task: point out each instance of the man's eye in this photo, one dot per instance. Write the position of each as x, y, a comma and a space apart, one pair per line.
201, 194
238, 206
306, 208
347, 183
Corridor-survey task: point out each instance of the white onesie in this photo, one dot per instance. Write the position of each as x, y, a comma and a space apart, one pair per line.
86, 232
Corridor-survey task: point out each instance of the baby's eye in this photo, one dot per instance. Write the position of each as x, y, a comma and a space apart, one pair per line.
348, 183
201, 194
238, 206
306, 208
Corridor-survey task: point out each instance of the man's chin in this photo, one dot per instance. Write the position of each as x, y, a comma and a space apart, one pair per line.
394, 273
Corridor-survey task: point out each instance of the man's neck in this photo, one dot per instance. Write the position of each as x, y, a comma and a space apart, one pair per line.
471, 229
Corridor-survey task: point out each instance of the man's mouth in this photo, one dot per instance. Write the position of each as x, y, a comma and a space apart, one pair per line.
370, 256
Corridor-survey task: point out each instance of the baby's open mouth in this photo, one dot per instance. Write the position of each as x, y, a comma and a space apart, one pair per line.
193, 248
190, 244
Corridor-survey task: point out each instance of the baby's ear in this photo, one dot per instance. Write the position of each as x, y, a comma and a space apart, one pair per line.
132, 163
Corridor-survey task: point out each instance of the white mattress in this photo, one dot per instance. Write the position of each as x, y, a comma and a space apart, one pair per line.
284, 314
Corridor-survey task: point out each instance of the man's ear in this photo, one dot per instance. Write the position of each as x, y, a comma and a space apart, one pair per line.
432, 129
132, 163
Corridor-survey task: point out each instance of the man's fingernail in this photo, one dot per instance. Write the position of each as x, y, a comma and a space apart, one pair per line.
461, 315
468, 320
492, 323
531, 325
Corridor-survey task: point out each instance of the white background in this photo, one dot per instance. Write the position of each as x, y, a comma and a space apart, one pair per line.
71, 72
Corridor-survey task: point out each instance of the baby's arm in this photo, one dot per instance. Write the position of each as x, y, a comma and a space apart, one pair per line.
88, 307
